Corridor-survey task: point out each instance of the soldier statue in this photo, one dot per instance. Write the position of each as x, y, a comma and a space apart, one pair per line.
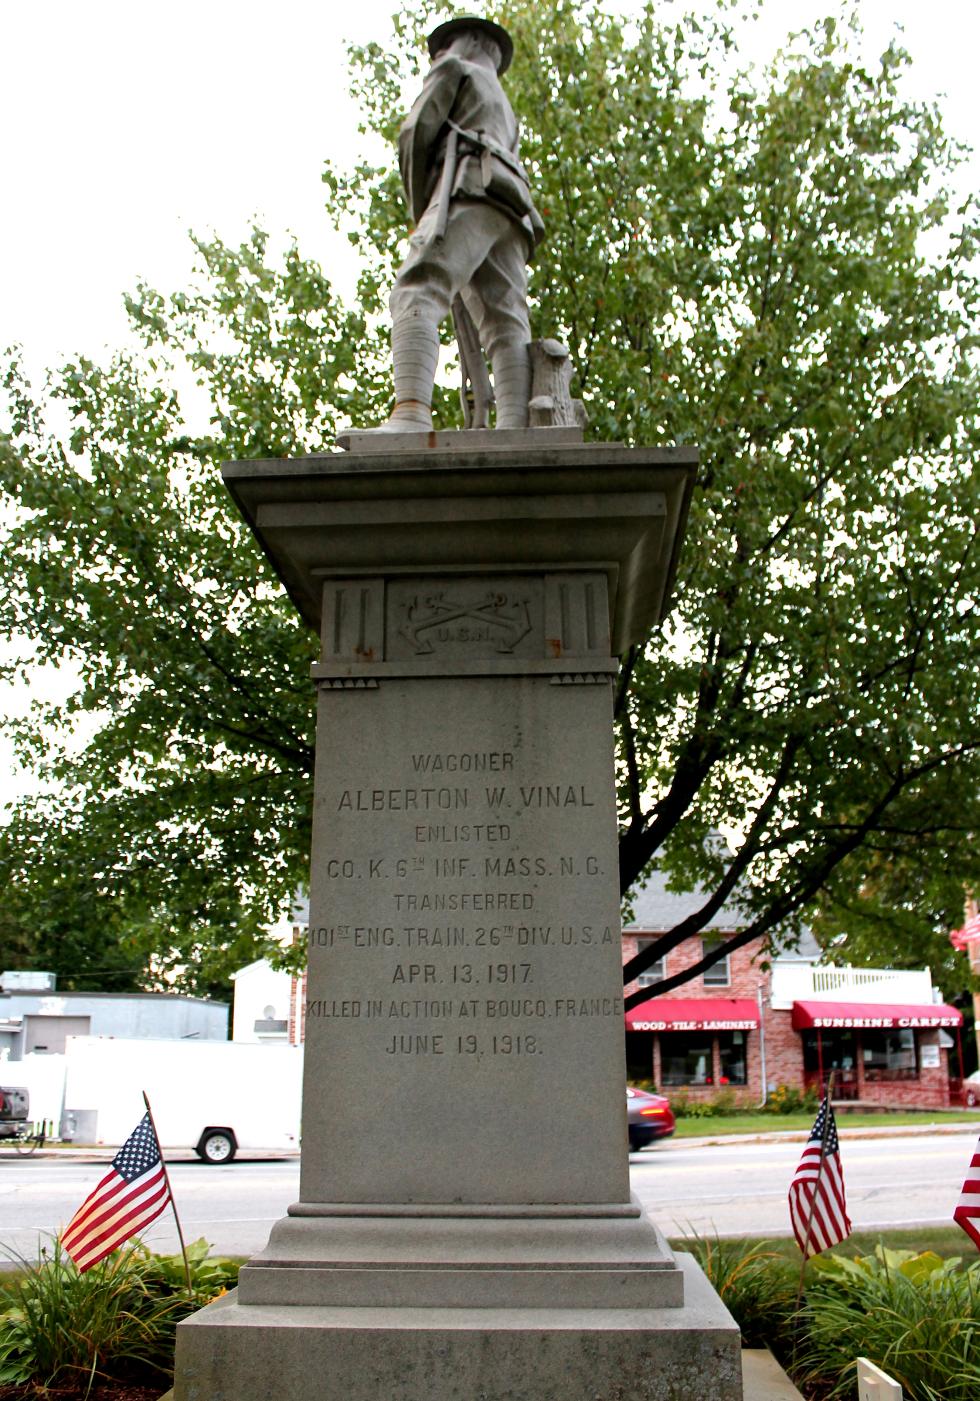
476, 228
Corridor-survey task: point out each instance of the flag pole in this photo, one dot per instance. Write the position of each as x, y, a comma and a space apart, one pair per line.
170, 1194
813, 1203
816, 1186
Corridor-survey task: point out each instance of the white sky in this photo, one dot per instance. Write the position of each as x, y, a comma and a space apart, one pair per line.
124, 125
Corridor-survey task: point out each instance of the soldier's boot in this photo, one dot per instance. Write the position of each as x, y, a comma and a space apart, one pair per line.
415, 354
511, 364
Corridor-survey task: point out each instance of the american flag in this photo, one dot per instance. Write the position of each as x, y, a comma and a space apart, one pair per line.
128, 1198
817, 1202
967, 1213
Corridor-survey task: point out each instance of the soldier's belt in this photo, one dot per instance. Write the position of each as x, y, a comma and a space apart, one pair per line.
483, 143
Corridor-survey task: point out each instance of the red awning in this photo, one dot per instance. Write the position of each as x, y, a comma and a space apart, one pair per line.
694, 1014
828, 1015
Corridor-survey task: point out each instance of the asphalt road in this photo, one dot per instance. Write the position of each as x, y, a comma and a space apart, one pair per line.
740, 1189
732, 1188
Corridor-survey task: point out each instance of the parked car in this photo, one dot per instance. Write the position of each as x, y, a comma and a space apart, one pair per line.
971, 1090
648, 1117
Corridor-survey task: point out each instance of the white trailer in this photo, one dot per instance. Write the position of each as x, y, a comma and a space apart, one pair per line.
218, 1098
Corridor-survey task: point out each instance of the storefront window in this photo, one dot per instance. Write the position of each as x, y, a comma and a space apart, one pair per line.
838, 1051
889, 1055
639, 1055
826, 1051
731, 1048
685, 1059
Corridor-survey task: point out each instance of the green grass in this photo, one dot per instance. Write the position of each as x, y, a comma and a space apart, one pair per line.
715, 1127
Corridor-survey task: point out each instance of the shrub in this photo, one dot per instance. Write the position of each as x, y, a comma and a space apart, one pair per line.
115, 1322
916, 1315
724, 1104
757, 1285
788, 1099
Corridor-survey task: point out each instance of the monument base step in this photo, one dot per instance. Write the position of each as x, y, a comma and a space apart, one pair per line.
763, 1379
465, 1257
231, 1351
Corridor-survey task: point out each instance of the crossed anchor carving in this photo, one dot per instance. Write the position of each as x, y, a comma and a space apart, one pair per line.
508, 621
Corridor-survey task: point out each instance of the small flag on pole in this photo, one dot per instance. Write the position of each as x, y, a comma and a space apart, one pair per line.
967, 1213
126, 1200
817, 1202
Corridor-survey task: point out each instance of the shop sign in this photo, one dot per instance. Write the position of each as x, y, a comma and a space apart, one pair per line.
702, 1025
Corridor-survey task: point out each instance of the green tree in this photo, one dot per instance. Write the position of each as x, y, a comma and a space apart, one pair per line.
769, 265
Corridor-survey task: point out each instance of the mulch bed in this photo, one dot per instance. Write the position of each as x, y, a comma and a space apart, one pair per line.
114, 1391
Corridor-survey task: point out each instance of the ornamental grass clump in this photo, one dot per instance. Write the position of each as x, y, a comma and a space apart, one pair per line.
916, 1315
756, 1285
115, 1322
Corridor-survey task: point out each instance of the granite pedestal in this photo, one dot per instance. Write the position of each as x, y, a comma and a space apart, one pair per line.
465, 1227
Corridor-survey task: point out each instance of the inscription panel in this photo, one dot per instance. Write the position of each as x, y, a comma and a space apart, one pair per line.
465, 617
465, 992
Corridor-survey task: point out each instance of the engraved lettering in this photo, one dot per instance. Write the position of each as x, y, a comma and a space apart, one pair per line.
323, 1007
515, 1045
502, 1008
416, 1045
407, 902
449, 936
508, 972
534, 934
588, 1007
554, 795
414, 973
452, 866
372, 938
447, 832
515, 866
491, 762
402, 799
421, 1007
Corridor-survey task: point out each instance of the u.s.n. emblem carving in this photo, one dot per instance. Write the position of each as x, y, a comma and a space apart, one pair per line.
498, 619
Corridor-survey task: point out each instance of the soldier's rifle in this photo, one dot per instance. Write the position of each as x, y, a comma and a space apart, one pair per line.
476, 392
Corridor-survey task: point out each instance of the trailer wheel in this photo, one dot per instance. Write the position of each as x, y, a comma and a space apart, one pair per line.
217, 1146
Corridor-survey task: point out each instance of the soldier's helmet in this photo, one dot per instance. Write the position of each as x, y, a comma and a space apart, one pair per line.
444, 34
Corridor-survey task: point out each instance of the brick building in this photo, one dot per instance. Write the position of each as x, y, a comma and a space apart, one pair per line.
886, 1033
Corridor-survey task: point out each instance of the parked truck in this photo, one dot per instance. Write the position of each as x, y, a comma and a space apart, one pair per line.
218, 1098
15, 1108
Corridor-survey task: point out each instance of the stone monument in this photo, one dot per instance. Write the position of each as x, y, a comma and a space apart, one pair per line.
465, 1227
